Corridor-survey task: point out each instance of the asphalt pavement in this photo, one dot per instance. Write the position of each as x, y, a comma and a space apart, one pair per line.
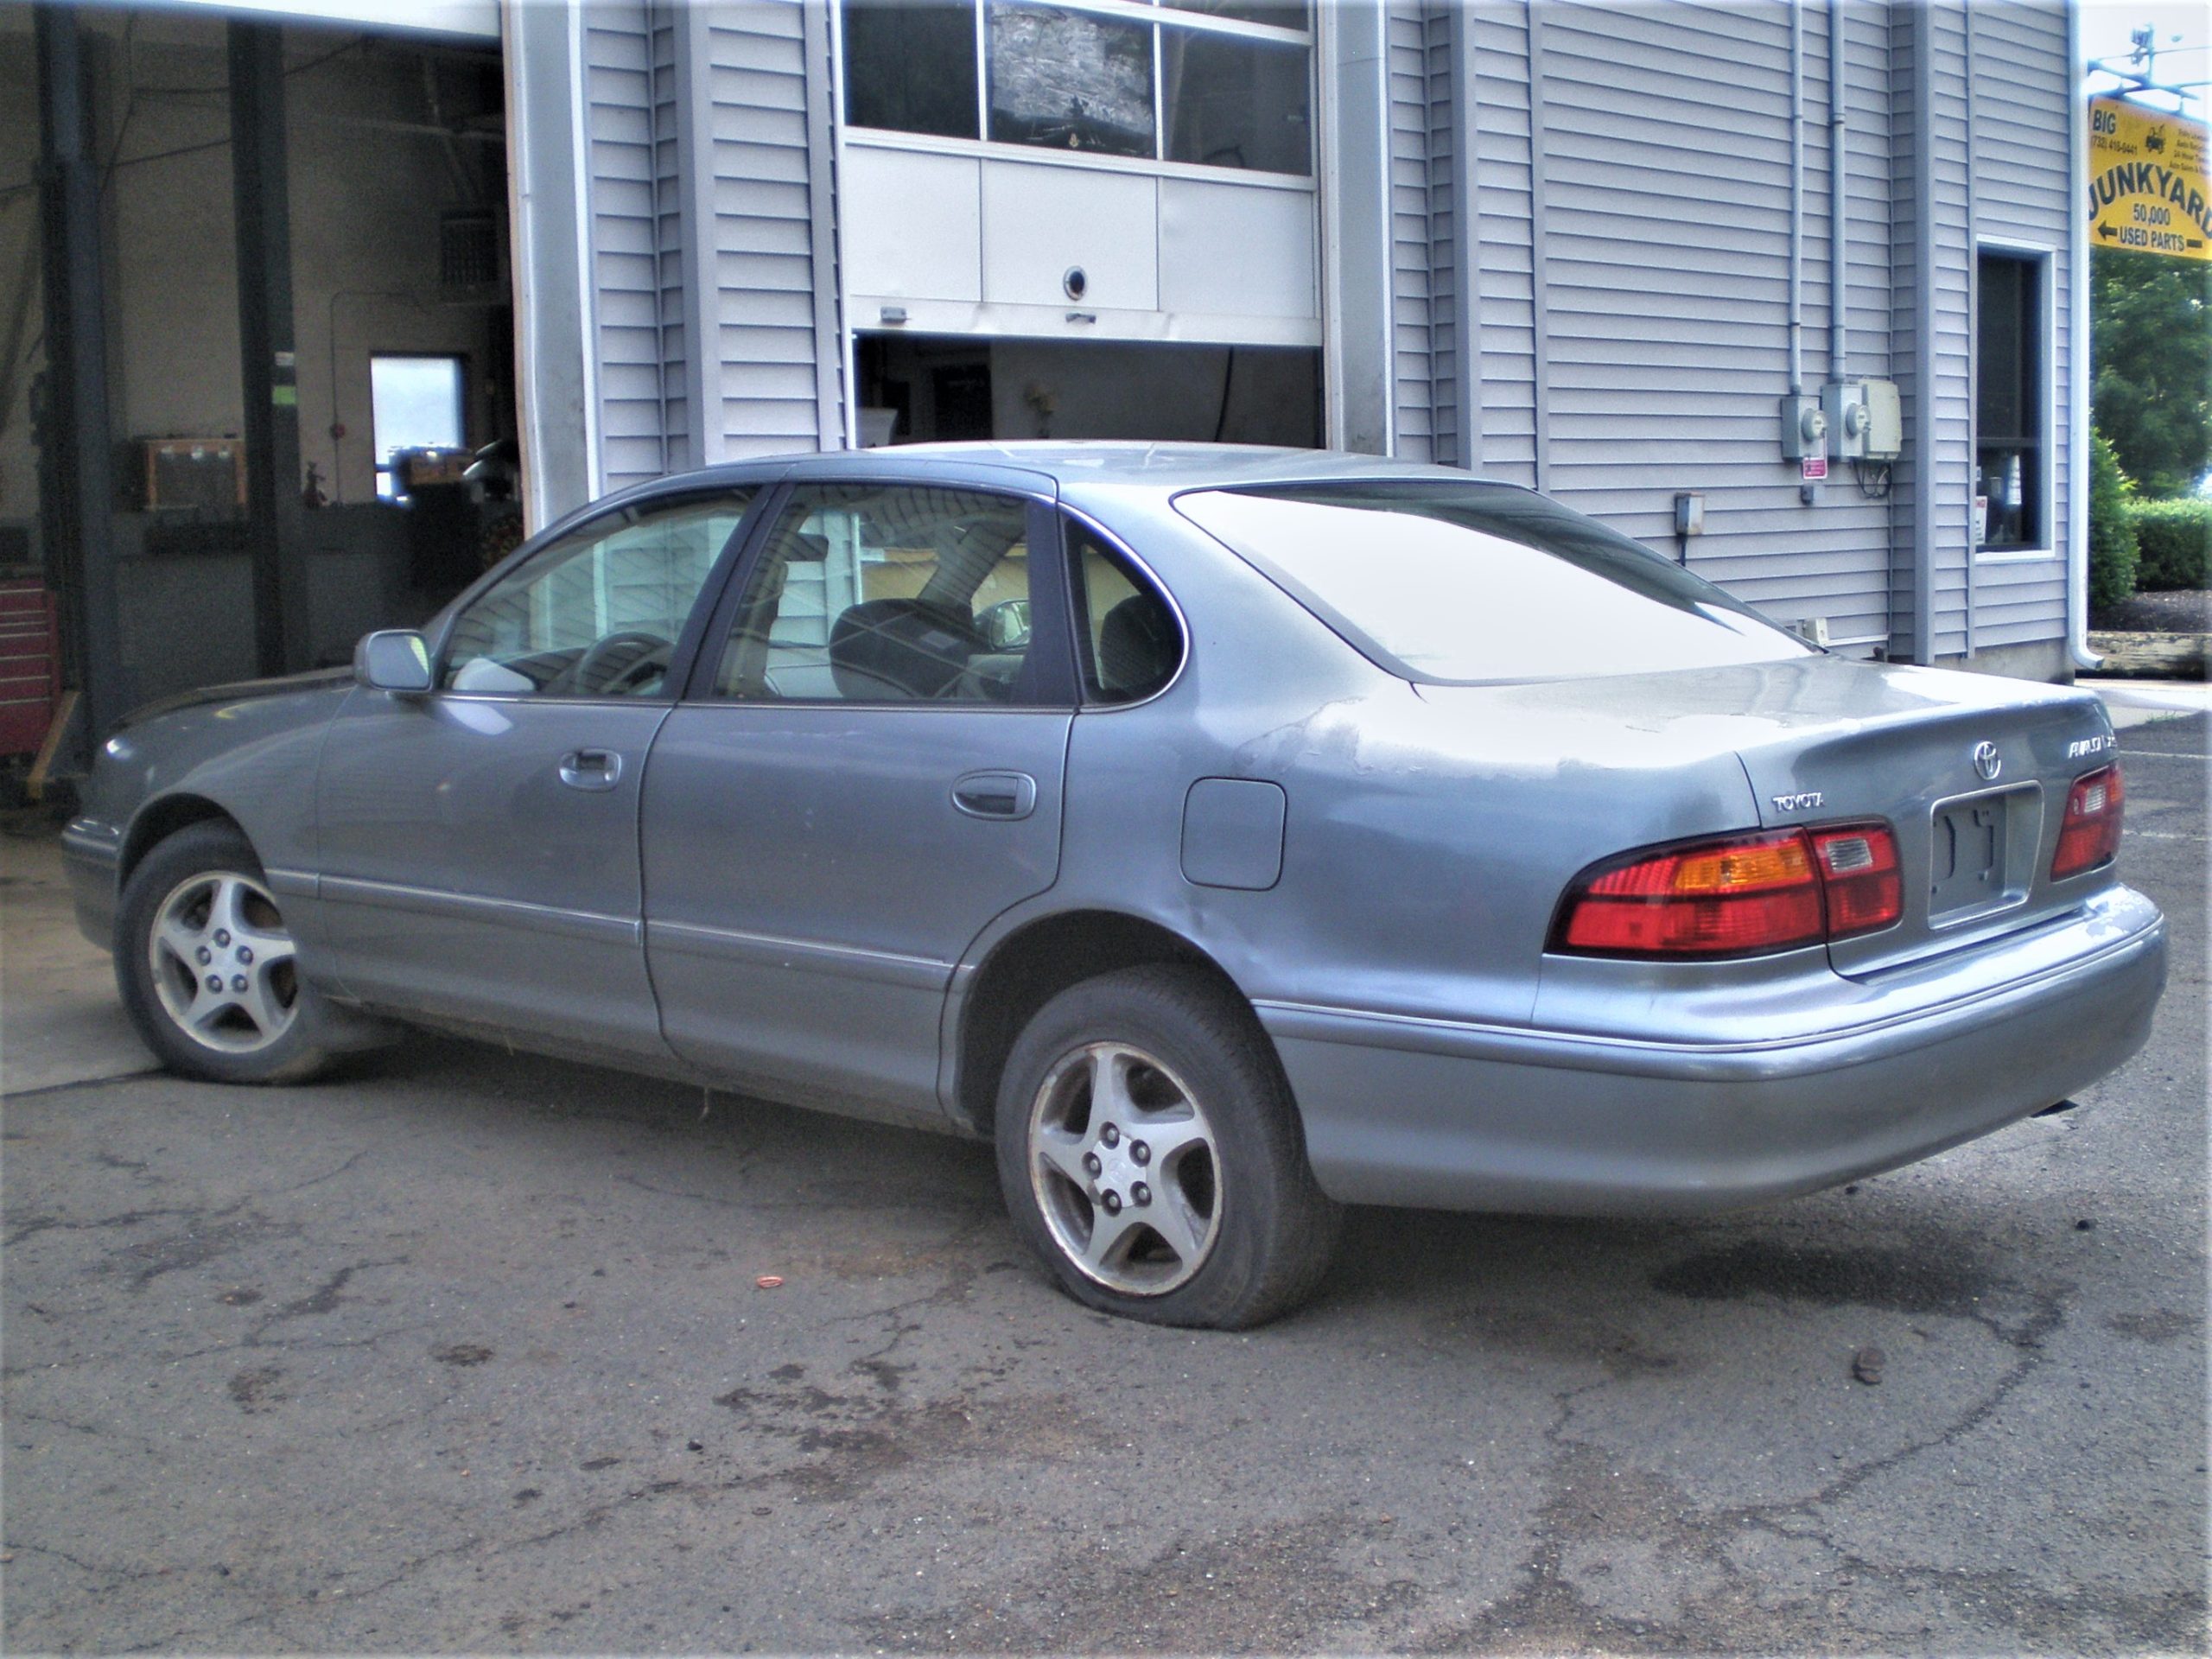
469, 1350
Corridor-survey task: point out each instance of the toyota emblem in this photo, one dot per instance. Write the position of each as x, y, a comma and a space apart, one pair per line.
1986, 761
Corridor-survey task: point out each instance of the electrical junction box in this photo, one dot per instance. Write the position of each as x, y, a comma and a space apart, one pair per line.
1804, 428
1864, 422
1884, 421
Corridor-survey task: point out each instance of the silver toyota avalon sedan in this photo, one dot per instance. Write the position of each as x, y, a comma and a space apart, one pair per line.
1230, 834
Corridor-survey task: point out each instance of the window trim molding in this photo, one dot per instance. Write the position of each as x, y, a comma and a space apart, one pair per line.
2043, 256
992, 150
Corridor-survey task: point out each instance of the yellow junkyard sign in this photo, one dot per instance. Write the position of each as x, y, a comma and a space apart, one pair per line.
2147, 188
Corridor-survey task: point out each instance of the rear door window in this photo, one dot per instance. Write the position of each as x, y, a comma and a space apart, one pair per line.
1477, 583
890, 593
1132, 644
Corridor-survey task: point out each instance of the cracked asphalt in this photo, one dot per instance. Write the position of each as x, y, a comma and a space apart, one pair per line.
465, 1350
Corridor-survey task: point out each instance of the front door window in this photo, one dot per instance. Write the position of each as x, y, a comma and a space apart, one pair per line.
598, 613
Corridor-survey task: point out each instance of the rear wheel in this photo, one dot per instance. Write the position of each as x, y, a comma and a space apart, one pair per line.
207, 967
1149, 1151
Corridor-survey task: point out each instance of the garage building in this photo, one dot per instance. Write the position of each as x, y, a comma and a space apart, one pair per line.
1633, 255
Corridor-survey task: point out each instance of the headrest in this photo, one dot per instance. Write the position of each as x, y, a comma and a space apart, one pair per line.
1137, 646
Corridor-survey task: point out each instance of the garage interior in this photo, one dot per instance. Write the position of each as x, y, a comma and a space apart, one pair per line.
924, 389
276, 257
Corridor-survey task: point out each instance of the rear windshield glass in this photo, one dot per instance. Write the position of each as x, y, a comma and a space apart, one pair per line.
1467, 583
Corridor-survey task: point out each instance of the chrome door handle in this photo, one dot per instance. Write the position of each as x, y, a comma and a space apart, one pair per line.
995, 794
591, 768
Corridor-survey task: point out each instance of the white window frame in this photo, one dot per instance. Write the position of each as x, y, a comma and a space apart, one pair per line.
2045, 256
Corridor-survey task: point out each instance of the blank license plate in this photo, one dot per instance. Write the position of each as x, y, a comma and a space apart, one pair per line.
1967, 864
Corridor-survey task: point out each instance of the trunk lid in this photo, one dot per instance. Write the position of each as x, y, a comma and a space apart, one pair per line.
1972, 772
1823, 739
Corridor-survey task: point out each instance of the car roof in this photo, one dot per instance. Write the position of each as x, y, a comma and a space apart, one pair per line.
1161, 466
1100, 470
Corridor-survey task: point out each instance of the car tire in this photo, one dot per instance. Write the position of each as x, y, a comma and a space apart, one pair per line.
206, 967
1200, 1208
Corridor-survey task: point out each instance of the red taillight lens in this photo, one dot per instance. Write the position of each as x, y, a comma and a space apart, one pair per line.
1736, 895
1859, 870
2090, 834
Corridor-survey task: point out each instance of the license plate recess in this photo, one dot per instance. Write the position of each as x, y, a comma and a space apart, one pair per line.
1979, 850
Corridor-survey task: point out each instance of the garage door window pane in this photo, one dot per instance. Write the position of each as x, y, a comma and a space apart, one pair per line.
1233, 102
1070, 80
886, 593
910, 65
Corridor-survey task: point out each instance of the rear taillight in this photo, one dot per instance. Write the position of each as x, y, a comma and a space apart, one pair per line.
1858, 871
1736, 895
2091, 833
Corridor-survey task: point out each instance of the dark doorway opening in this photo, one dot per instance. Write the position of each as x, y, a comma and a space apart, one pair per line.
923, 388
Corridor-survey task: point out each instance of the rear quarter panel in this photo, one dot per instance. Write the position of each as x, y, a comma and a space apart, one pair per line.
1425, 847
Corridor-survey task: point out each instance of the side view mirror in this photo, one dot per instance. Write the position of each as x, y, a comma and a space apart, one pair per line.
393, 659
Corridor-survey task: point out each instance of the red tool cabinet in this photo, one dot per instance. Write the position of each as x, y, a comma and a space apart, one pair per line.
30, 664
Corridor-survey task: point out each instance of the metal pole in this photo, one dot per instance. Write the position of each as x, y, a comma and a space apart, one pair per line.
268, 362
1839, 204
1796, 200
75, 450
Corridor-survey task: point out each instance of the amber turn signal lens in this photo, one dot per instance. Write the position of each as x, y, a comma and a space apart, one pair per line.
1736, 895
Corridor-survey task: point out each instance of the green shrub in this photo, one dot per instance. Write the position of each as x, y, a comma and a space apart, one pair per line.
2112, 528
2174, 540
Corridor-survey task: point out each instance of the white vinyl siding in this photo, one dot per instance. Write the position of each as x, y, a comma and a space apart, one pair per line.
761, 272
2023, 177
618, 86
1412, 351
1661, 145
1501, 290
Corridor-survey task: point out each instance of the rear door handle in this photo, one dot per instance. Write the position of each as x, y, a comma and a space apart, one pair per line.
995, 794
591, 768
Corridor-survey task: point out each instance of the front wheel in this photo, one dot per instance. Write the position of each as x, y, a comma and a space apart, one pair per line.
206, 966
1149, 1152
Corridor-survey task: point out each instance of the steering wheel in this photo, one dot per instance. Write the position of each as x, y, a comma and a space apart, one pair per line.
613, 665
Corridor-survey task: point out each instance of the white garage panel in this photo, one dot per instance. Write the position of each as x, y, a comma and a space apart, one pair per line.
1232, 249
913, 225
1040, 222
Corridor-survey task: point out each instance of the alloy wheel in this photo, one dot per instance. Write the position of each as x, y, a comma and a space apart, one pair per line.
1123, 1166
223, 965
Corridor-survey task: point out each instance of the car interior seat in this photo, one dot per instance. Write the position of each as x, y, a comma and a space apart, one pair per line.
900, 650
1137, 647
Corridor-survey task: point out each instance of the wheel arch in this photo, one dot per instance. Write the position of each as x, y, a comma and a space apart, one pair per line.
161, 818
1035, 962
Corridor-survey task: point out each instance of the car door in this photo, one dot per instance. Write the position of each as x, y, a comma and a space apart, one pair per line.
479, 843
866, 769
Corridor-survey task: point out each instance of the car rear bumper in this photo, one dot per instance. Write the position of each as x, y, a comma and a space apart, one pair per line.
1430, 1113
90, 853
